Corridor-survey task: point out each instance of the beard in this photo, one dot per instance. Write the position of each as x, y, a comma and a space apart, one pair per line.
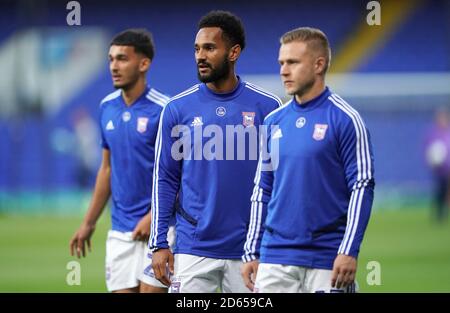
218, 73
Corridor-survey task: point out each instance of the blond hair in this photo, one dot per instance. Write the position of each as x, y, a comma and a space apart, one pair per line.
314, 38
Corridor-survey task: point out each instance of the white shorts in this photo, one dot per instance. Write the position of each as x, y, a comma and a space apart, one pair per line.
201, 274
296, 279
124, 262
148, 276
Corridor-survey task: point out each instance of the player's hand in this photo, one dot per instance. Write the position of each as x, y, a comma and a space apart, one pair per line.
161, 259
248, 272
344, 271
81, 236
142, 230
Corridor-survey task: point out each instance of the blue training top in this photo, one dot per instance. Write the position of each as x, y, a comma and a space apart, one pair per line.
129, 133
215, 171
316, 200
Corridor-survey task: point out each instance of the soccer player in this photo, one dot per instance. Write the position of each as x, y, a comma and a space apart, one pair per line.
437, 154
214, 172
129, 119
310, 211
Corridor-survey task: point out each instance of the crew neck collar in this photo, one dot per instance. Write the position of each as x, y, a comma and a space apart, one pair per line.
225, 95
311, 104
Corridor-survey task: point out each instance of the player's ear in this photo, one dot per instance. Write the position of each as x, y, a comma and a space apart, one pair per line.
144, 64
319, 66
234, 53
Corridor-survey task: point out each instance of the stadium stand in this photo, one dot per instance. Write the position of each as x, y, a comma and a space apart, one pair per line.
36, 151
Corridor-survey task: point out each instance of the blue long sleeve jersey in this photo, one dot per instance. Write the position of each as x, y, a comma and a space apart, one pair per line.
214, 174
129, 133
316, 199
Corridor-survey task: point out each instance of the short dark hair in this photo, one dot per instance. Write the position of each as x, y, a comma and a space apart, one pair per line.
231, 25
139, 38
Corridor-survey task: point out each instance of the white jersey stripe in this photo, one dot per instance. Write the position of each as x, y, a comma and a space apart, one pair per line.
158, 147
282, 107
155, 203
363, 141
111, 96
350, 216
360, 139
259, 88
251, 226
252, 235
254, 199
354, 219
256, 208
348, 231
156, 100
155, 96
358, 136
185, 93
252, 213
357, 213
348, 221
366, 162
258, 221
358, 158
159, 95
264, 92
358, 116
361, 153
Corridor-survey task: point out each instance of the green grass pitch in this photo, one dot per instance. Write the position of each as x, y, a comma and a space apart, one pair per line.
413, 253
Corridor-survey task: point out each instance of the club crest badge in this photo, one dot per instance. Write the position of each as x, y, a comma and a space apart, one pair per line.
301, 121
248, 119
142, 124
126, 116
175, 285
319, 131
221, 111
